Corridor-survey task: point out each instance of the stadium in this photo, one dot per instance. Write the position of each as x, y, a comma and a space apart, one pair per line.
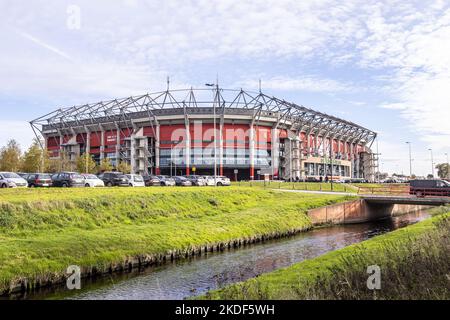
234, 133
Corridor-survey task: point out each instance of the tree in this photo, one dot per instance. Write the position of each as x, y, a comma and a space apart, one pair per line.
33, 159
85, 163
64, 162
124, 167
10, 156
105, 165
52, 165
443, 170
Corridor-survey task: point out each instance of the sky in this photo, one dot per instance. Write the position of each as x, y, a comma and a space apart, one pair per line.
382, 64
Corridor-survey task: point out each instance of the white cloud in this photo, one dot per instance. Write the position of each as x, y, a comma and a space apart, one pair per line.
18, 130
303, 83
130, 47
419, 55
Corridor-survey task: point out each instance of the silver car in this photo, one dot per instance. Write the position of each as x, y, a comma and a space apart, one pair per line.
166, 181
12, 180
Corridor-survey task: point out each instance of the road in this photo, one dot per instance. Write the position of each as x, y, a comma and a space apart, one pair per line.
318, 192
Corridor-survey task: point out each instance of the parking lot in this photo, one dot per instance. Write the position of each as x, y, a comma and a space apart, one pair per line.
105, 179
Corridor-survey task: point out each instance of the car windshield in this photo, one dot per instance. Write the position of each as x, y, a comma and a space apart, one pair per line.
90, 176
10, 175
138, 178
44, 176
76, 176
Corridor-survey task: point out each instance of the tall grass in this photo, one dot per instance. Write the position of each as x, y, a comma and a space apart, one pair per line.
418, 268
44, 231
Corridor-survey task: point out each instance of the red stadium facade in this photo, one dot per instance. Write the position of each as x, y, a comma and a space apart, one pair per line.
183, 132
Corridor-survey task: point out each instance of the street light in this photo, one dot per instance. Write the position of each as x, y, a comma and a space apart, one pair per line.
410, 159
432, 162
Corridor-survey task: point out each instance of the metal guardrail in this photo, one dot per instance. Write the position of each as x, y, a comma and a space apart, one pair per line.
394, 189
404, 190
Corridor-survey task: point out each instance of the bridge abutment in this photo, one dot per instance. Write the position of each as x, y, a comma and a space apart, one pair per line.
359, 211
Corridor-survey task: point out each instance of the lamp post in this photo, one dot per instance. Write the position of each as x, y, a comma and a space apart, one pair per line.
410, 159
432, 162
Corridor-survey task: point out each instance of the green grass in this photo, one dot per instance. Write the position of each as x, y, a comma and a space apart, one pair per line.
42, 231
414, 262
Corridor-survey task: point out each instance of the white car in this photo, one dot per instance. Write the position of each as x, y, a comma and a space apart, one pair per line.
12, 180
209, 181
223, 181
135, 180
91, 181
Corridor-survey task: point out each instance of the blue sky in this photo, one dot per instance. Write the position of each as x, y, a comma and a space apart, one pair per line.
382, 64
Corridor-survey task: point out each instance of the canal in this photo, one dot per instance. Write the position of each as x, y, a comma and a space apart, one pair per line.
195, 276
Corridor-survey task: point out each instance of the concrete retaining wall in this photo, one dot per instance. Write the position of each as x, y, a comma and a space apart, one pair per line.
359, 211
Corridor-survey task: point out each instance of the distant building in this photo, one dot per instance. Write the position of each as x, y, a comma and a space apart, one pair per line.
172, 132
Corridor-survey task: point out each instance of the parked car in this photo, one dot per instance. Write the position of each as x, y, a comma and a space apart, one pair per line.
23, 175
209, 181
166, 180
358, 180
12, 180
152, 181
312, 179
135, 180
91, 181
196, 180
223, 181
114, 179
431, 187
39, 180
67, 179
182, 181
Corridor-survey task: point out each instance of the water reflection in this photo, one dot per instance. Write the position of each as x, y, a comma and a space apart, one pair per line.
182, 279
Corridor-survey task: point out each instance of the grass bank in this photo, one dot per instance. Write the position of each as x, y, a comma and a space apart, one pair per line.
42, 232
414, 262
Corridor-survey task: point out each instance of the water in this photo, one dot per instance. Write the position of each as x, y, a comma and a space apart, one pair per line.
182, 279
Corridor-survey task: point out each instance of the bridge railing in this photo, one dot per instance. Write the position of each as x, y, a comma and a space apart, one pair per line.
403, 190
392, 189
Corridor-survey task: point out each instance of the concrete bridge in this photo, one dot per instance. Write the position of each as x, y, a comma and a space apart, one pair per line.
371, 208
406, 200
